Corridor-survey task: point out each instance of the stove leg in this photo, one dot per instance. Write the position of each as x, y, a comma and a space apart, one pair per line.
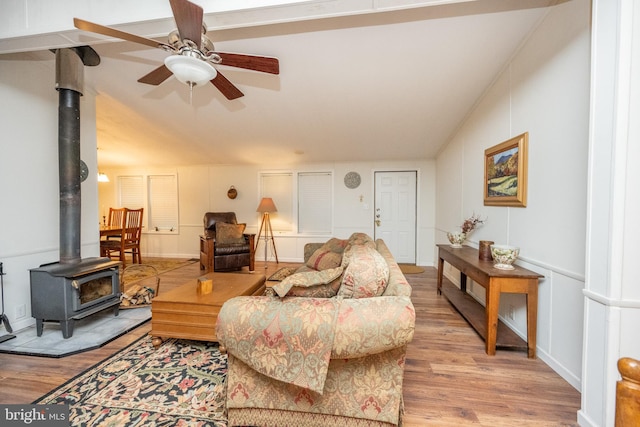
39, 326
67, 328
116, 310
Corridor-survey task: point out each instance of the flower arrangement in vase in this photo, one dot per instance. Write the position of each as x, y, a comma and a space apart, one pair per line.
457, 238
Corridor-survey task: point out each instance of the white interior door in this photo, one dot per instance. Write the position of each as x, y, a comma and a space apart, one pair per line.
395, 213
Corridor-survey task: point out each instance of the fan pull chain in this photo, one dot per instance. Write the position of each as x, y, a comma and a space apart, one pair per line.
191, 93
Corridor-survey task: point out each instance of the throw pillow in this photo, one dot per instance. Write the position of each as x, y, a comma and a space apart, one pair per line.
361, 239
282, 274
323, 260
329, 255
336, 245
366, 275
307, 279
229, 233
356, 239
327, 290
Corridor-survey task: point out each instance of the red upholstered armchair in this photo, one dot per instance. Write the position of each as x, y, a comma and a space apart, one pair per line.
224, 245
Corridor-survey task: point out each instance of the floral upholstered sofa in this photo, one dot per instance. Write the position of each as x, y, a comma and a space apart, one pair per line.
327, 347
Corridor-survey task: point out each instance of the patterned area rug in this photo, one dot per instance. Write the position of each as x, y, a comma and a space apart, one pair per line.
181, 383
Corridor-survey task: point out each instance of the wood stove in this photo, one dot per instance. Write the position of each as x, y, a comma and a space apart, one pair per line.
72, 288
68, 292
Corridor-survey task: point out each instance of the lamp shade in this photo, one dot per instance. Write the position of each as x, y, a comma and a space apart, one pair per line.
266, 205
190, 70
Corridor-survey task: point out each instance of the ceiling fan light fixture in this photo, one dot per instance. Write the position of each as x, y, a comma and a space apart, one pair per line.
190, 70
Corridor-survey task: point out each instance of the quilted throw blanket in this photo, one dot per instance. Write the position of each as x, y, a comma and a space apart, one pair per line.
287, 339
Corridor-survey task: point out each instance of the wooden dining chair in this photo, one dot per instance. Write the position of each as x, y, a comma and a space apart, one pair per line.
111, 242
116, 217
129, 241
133, 233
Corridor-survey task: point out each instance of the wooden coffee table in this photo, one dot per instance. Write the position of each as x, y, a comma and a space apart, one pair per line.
185, 313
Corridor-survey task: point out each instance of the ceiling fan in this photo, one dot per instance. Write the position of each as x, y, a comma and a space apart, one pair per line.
192, 52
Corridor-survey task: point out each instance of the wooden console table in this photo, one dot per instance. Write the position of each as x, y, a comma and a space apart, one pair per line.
495, 281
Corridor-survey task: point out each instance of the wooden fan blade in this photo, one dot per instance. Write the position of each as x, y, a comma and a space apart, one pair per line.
188, 17
157, 76
112, 32
264, 64
226, 87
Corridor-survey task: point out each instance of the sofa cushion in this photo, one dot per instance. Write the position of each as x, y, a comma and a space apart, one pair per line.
222, 250
329, 255
323, 284
229, 233
366, 274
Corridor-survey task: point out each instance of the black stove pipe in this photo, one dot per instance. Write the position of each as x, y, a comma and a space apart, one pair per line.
69, 175
69, 83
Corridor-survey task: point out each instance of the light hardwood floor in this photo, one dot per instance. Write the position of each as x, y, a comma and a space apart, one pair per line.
449, 380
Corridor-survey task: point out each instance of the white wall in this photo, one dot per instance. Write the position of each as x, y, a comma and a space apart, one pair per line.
204, 188
544, 90
29, 217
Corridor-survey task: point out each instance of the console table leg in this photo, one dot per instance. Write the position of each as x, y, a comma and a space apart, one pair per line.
440, 271
493, 303
532, 316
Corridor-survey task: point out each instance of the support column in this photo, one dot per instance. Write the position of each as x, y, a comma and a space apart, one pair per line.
612, 297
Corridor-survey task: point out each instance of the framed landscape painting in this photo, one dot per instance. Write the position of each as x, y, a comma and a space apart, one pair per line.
505, 173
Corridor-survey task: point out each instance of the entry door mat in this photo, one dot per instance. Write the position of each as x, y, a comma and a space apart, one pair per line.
89, 333
181, 383
410, 269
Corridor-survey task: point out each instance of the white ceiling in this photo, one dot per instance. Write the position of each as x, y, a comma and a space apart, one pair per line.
378, 86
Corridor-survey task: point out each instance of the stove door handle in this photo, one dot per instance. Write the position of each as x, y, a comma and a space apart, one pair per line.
75, 284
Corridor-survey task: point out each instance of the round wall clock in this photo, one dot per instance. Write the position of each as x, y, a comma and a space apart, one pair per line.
84, 171
352, 180
232, 193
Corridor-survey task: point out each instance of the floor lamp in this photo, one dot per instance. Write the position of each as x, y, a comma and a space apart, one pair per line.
266, 206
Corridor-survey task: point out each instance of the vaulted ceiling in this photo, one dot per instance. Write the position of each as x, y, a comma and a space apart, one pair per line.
390, 85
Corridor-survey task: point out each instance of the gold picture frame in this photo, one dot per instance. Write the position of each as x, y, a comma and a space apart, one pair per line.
505, 173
